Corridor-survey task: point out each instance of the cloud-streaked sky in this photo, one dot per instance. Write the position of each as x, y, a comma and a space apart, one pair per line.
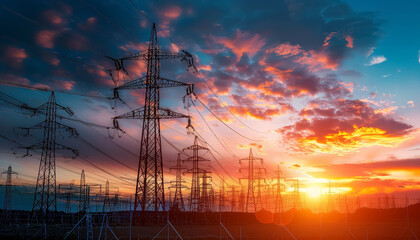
328, 88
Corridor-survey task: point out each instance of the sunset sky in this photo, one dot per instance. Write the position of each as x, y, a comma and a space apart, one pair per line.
327, 89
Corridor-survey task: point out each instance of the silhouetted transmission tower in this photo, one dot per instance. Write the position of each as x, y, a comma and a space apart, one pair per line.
149, 187
7, 205
196, 194
106, 207
251, 203
178, 201
45, 203
83, 193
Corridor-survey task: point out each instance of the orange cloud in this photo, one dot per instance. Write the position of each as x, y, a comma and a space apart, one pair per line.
259, 147
16, 55
317, 60
328, 38
45, 38
342, 142
66, 85
242, 43
349, 40
286, 49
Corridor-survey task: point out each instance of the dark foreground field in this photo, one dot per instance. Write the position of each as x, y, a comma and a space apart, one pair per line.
380, 224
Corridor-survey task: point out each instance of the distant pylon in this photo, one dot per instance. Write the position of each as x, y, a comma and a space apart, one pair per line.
393, 201
279, 201
330, 203
250, 204
233, 198
83, 193
106, 207
178, 200
45, 199
222, 195
260, 171
150, 186
69, 194
7, 204
196, 198
206, 191
297, 202
241, 204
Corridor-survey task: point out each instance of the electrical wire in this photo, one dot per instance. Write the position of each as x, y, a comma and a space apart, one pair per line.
226, 123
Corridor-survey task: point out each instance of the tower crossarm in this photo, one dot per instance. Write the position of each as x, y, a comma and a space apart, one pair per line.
159, 53
142, 83
162, 113
195, 147
248, 159
193, 158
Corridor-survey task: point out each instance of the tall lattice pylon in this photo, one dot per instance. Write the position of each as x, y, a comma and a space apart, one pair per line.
279, 200
251, 203
106, 207
233, 198
68, 191
45, 204
222, 195
178, 184
297, 200
260, 174
206, 198
196, 198
83, 193
150, 186
7, 204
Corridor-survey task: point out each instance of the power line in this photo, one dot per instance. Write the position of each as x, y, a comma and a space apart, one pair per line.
225, 123
45, 89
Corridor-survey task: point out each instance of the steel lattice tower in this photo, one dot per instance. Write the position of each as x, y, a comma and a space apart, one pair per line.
7, 204
195, 202
250, 204
83, 193
150, 186
279, 201
297, 202
45, 199
206, 191
222, 195
68, 193
106, 207
233, 200
178, 201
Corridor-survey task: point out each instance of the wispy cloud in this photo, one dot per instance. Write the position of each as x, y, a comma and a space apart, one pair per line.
376, 60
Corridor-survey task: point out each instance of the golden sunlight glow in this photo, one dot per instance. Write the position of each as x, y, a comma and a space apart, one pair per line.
342, 142
312, 192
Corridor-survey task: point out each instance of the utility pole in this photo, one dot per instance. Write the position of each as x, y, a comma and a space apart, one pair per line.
7, 204
150, 186
178, 201
196, 204
251, 204
45, 199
